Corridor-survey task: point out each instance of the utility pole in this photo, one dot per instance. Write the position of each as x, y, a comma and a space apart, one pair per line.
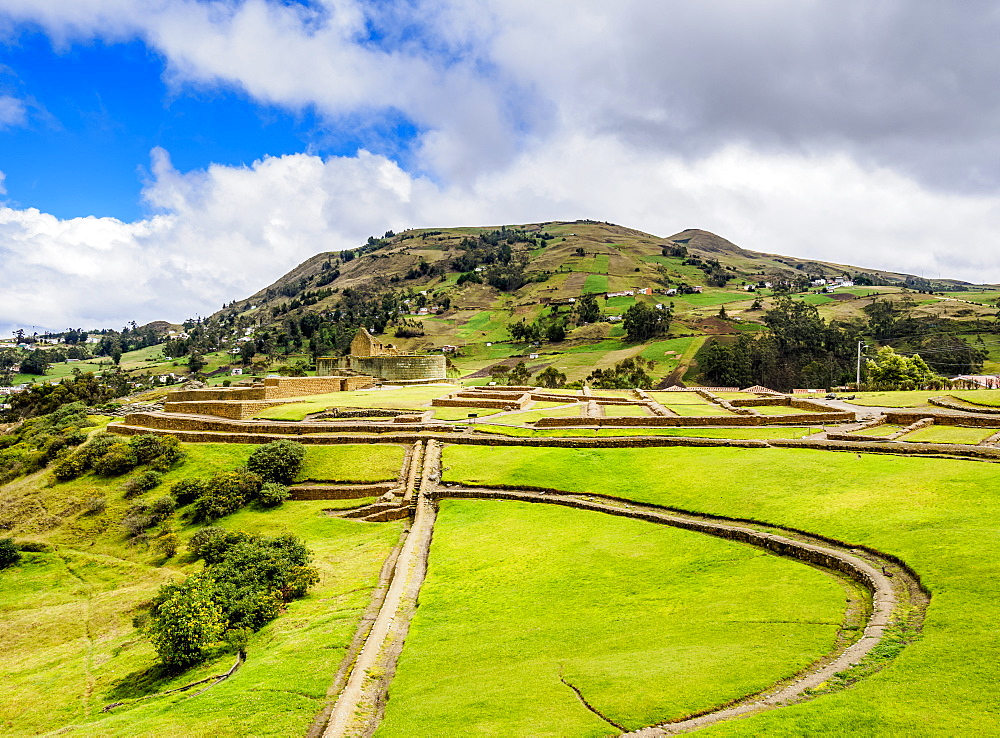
858, 380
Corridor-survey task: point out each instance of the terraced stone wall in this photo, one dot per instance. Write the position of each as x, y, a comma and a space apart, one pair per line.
970, 421
235, 410
217, 393
680, 420
390, 368
283, 387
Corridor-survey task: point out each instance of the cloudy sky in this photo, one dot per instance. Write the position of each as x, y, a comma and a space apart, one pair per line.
161, 157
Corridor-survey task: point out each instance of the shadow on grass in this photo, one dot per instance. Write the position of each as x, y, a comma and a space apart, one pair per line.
142, 683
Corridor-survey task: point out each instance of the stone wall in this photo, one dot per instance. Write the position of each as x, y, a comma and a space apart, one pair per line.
971, 421
282, 387
708, 420
233, 409
390, 368
953, 404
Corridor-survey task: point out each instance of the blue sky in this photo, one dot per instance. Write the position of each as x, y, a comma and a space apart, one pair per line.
97, 109
162, 158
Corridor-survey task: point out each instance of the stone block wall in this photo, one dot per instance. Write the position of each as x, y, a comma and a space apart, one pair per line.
390, 368
283, 387
970, 421
233, 409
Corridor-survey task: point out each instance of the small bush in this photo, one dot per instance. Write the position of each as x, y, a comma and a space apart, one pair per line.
278, 461
70, 467
272, 494
211, 543
142, 516
9, 553
141, 482
117, 460
95, 505
187, 491
225, 493
167, 544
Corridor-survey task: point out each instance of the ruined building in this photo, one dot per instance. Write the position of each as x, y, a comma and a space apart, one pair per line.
383, 360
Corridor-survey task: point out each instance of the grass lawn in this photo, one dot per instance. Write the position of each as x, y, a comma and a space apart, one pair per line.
291, 662
648, 622
595, 283
941, 516
66, 615
681, 398
625, 411
916, 398
737, 433
530, 416
689, 409
979, 397
461, 413
949, 434
351, 463
406, 397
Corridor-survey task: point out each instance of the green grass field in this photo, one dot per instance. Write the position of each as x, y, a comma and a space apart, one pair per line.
916, 398
406, 397
938, 515
694, 409
351, 463
949, 434
779, 410
648, 622
736, 433
530, 416
462, 413
625, 411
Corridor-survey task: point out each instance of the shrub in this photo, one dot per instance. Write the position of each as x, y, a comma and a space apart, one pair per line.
187, 491
225, 493
272, 494
186, 621
117, 460
211, 543
141, 482
70, 467
9, 553
95, 505
142, 516
167, 544
278, 461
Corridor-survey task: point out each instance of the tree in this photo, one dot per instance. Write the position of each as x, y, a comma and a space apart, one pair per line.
519, 374
10, 554
555, 332
890, 370
196, 362
587, 310
500, 373
551, 378
35, 363
186, 622
642, 322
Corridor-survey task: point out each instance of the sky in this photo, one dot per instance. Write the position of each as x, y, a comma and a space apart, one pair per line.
159, 158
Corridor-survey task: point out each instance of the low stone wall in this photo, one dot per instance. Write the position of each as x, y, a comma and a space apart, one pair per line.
480, 403
339, 491
491, 395
217, 393
953, 404
758, 401
543, 396
154, 421
283, 387
969, 421
233, 409
708, 420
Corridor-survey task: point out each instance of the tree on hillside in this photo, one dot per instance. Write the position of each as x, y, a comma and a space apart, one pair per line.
35, 363
643, 322
519, 374
587, 310
551, 378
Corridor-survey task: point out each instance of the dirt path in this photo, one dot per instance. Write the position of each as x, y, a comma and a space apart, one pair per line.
359, 707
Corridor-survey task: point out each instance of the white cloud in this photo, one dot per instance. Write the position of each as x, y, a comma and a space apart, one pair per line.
226, 232
12, 112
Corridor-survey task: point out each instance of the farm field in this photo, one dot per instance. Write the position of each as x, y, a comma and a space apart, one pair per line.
648, 622
938, 515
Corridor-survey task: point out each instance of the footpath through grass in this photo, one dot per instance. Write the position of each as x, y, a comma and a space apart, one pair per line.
650, 623
744, 433
941, 516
